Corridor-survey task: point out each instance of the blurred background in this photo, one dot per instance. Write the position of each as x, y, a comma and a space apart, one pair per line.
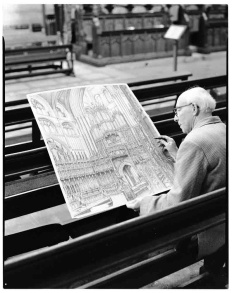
109, 43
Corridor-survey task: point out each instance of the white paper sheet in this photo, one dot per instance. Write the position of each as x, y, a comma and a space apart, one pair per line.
101, 143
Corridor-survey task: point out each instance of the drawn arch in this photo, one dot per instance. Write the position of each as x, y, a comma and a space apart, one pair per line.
45, 123
128, 172
36, 101
57, 142
76, 102
62, 112
107, 95
70, 128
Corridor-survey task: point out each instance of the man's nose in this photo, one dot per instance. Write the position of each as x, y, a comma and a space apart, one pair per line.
175, 118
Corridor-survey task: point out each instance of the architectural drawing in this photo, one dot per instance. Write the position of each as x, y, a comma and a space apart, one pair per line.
101, 143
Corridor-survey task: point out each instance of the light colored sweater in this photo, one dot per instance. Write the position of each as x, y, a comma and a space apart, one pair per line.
200, 168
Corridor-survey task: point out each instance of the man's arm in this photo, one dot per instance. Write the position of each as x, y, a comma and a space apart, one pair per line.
190, 171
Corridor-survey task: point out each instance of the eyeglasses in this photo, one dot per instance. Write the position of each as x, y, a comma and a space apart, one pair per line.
175, 109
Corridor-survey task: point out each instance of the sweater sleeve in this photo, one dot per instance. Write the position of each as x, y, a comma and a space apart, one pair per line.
190, 171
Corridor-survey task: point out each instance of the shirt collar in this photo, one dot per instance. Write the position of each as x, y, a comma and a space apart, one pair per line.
207, 120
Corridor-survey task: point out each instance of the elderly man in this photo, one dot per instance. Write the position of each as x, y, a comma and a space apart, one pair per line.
200, 161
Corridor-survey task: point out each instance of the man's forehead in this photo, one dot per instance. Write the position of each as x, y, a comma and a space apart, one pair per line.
181, 100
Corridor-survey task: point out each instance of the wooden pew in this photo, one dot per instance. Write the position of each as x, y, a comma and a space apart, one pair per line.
41, 190
39, 201
127, 45
175, 89
174, 76
38, 59
122, 21
128, 254
122, 37
164, 126
25, 116
146, 93
213, 30
37, 159
208, 26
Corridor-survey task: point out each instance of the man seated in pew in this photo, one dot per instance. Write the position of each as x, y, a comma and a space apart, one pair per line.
200, 164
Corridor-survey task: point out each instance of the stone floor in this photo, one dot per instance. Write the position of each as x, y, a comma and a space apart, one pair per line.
199, 65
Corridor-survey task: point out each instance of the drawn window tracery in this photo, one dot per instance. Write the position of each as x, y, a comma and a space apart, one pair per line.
39, 107
48, 125
91, 120
120, 120
130, 175
68, 129
104, 116
107, 96
99, 116
98, 99
60, 112
108, 126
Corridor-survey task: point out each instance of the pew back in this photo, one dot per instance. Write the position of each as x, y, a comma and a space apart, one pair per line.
36, 160
115, 256
148, 94
39, 59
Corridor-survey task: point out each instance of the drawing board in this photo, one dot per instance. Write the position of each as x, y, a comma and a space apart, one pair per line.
102, 147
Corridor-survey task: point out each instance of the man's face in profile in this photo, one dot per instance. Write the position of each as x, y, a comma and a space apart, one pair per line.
184, 114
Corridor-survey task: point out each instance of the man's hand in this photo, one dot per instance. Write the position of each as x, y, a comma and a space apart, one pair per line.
144, 204
134, 204
169, 144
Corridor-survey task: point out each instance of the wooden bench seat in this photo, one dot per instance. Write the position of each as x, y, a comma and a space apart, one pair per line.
22, 115
40, 218
173, 76
164, 125
34, 58
21, 60
37, 160
126, 252
41, 190
175, 89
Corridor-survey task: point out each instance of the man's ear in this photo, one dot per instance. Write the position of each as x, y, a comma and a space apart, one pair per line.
195, 109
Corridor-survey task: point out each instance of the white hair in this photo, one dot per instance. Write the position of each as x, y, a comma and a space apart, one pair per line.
201, 98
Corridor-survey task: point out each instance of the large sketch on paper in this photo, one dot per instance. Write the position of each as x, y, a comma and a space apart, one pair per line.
101, 143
